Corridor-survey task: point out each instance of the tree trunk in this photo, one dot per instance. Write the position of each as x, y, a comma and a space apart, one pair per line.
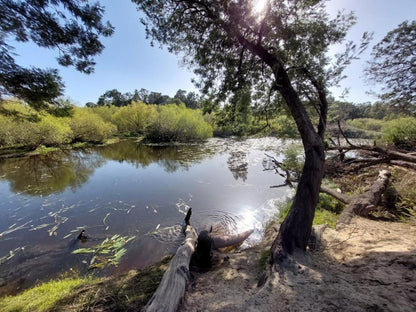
296, 228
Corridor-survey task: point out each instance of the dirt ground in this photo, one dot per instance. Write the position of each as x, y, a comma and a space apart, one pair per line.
366, 266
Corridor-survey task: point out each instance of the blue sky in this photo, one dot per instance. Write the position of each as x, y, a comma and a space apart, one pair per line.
129, 62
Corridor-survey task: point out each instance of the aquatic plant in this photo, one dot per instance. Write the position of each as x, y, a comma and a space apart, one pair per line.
109, 252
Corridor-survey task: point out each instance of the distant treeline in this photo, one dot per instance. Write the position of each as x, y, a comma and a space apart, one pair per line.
116, 98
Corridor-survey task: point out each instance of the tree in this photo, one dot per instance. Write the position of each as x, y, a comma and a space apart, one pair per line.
281, 50
114, 97
394, 65
72, 27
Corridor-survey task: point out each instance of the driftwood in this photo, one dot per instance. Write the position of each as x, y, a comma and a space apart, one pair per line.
230, 240
367, 202
171, 289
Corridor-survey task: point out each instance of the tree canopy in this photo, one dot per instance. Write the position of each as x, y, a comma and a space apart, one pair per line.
279, 52
74, 28
394, 65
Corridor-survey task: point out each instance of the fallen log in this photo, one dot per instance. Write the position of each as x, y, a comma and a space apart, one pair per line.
171, 289
343, 198
367, 202
230, 240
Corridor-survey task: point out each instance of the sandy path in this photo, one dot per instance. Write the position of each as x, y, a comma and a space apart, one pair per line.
367, 266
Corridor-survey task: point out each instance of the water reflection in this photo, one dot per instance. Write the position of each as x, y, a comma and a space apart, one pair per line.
238, 165
170, 157
48, 174
131, 190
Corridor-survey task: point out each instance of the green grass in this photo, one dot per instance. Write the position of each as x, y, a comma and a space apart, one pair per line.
264, 259
127, 292
42, 297
327, 211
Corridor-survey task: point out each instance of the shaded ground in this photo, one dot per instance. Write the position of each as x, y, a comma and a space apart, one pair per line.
367, 266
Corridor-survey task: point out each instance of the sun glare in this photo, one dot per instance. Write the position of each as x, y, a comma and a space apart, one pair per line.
259, 6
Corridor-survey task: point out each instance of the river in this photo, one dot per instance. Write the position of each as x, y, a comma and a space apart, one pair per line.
128, 189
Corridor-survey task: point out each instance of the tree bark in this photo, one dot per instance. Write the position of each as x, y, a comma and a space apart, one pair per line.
171, 289
367, 202
343, 198
295, 230
230, 240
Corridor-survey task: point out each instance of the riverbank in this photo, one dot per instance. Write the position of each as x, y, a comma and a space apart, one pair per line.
366, 266
17, 152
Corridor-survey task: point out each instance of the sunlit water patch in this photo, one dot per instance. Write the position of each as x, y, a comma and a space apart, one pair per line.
132, 190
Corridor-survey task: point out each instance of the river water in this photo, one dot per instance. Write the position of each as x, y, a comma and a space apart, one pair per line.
128, 189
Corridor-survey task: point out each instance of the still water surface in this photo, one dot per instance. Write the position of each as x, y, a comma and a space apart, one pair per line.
128, 189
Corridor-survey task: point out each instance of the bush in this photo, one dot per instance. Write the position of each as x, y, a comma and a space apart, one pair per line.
54, 131
283, 126
400, 132
18, 132
135, 118
178, 123
89, 127
367, 124
105, 112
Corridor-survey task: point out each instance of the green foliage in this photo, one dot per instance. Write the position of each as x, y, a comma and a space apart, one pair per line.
367, 124
53, 131
400, 132
393, 64
293, 161
105, 112
109, 252
72, 26
134, 119
89, 127
42, 297
18, 132
327, 211
283, 126
328, 203
180, 124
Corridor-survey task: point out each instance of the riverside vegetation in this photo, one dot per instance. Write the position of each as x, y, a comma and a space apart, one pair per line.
22, 127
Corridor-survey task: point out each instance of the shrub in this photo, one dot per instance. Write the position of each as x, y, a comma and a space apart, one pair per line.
53, 131
178, 123
367, 124
105, 112
18, 132
283, 126
401, 132
89, 127
135, 118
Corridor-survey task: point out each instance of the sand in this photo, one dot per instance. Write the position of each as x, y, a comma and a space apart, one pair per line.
366, 266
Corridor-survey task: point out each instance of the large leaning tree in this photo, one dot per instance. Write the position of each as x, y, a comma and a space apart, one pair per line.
394, 66
72, 27
280, 51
